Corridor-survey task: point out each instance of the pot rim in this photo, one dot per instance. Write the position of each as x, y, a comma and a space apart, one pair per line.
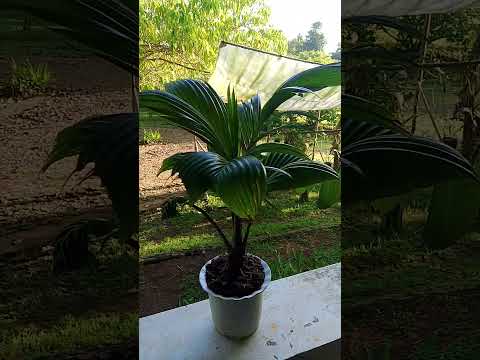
266, 281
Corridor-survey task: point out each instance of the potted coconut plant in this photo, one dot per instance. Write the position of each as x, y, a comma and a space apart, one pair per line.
240, 169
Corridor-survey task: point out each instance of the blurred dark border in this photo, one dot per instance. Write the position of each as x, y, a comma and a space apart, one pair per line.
68, 258
410, 220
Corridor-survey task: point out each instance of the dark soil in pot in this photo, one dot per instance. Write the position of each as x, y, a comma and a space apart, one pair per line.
250, 279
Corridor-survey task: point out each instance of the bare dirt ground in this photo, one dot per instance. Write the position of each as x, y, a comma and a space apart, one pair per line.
161, 284
158, 188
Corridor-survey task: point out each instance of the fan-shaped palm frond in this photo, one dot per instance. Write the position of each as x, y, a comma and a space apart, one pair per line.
238, 167
391, 161
231, 131
386, 161
313, 79
109, 27
110, 142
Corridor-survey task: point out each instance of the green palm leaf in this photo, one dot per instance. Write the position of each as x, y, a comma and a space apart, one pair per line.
194, 106
198, 171
301, 172
201, 96
109, 27
355, 130
444, 225
279, 148
107, 142
313, 79
250, 122
358, 109
329, 193
395, 164
174, 111
242, 185
389, 160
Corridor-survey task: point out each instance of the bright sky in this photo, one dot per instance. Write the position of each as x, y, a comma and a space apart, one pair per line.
296, 17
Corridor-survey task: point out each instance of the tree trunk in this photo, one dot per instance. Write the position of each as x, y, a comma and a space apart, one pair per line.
392, 222
27, 23
468, 128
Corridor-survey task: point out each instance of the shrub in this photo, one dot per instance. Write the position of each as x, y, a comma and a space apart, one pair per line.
28, 79
151, 137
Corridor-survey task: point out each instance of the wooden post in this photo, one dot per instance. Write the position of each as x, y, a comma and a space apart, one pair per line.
428, 23
136, 105
316, 134
27, 23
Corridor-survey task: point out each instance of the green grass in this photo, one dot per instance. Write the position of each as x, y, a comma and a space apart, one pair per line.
464, 349
36, 294
298, 262
281, 235
405, 269
193, 232
179, 244
68, 335
182, 243
282, 266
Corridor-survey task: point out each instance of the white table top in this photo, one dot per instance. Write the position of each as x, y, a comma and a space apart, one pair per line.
300, 313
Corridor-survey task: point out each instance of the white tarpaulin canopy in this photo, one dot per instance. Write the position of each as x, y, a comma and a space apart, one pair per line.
403, 7
251, 71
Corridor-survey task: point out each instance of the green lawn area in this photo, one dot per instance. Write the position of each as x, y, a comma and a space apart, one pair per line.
53, 314
69, 334
294, 262
292, 237
410, 295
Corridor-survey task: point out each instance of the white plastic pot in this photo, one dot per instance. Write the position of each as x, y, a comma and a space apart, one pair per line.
236, 317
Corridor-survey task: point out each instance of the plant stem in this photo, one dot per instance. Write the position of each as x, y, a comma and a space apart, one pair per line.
237, 231
245, 237
209, 218
238, 252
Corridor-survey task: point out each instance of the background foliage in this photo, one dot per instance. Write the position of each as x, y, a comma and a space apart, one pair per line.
180, 39
311, 47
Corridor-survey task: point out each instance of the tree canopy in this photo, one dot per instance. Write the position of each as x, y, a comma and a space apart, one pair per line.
314, 40
311, 47
180, 39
